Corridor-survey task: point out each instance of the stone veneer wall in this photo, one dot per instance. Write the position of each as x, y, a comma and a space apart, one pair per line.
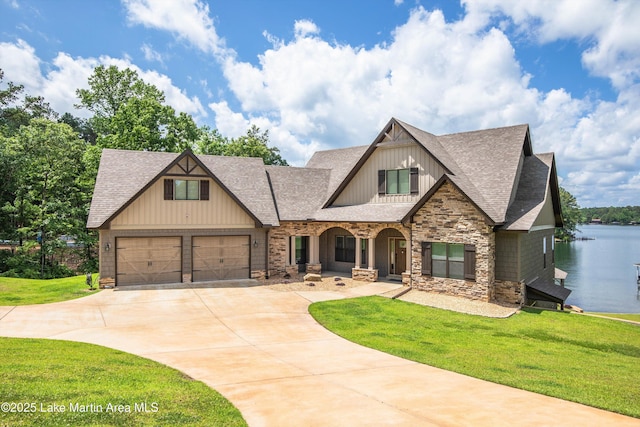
364, 274
510, 292
449, 217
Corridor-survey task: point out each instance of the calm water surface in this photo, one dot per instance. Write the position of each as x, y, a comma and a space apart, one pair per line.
601, 272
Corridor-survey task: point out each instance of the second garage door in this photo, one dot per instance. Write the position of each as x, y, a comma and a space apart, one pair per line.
148, 260
220, 258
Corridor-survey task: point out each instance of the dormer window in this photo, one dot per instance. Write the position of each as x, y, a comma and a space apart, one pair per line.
398, 181
186, 189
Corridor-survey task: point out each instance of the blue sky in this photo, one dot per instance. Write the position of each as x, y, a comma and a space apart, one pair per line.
330, 73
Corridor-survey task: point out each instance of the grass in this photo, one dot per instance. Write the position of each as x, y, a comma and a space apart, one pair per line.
625, 316
46, 375
34, 291
584, 359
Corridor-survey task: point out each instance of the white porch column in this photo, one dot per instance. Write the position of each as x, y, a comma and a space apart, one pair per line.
358, 252
314, 250
371, 251
408, 255
292, 250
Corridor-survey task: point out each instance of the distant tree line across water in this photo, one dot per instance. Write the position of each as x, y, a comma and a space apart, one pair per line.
627, 215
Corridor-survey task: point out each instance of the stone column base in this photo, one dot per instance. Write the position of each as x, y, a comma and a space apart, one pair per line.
106, 282
258, 274
406, 278
364, 274
291, 270
314, 268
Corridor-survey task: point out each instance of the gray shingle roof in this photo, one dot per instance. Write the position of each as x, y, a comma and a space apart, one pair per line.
246, 178
340, 161
484, 165
299, 192
123, 174
531, 192
388, 212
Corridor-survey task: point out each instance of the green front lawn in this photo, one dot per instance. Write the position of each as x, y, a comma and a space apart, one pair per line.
625, 316
55, 383
34, 291
579, 358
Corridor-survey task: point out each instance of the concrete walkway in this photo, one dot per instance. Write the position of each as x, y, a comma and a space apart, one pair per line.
265, 353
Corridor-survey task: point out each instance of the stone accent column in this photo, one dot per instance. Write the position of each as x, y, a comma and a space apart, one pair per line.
358, 253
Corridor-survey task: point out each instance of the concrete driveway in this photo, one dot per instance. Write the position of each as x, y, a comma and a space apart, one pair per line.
262, 350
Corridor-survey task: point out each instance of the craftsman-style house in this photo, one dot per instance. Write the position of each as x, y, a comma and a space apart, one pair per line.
469, 214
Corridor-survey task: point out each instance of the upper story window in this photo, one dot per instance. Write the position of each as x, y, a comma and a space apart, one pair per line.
186, 189
398, 181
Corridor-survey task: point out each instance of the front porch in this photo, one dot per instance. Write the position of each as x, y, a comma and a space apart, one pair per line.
365, 251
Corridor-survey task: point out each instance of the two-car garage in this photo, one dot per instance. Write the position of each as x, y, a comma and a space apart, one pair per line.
157, 260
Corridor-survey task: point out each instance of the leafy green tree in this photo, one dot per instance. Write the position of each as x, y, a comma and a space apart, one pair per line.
571, 216
254, 144
49, 201
131, 114
81, 126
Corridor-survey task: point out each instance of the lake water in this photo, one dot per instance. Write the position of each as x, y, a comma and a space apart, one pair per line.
601, 272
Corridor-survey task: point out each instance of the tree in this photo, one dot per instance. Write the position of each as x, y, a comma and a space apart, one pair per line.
49, 201
253, 144
571, 216
131, 114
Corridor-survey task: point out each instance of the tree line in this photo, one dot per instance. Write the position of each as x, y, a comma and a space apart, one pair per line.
49, 162
611, 215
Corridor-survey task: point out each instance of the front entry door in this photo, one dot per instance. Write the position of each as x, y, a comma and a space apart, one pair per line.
397, 256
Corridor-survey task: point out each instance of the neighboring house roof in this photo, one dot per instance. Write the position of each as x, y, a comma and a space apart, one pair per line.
123, 175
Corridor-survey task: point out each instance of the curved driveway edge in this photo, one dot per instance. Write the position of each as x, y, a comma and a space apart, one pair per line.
263, 351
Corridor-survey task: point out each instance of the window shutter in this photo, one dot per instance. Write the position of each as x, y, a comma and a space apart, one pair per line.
382, 182
204, 189
168, 189
470, 262
414, 180
426, 258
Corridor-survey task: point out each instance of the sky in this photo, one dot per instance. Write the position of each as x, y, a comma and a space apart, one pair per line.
323, 74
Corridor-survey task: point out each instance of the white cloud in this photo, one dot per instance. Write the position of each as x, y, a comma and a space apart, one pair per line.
187, 19
66, 74
609, 28
304, 28
21, 65
150, 54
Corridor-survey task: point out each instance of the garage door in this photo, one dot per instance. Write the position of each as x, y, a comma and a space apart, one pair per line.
220, 258
148, 260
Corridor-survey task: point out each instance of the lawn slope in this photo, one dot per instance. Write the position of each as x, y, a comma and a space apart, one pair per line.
584, 359
54, 383
34, 291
